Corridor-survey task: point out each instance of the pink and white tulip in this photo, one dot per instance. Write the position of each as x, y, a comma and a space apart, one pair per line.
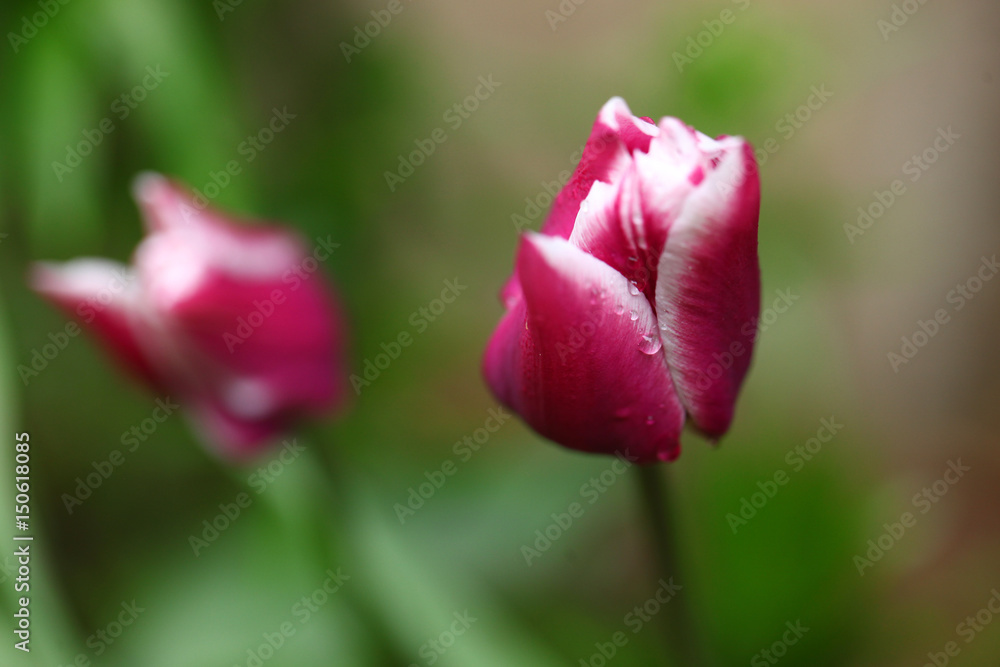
634, 310
216, 314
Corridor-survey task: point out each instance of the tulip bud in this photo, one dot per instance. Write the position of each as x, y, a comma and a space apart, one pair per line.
634, 309
217, 314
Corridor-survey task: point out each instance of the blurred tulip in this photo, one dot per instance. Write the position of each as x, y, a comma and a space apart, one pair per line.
221, 316
636, 306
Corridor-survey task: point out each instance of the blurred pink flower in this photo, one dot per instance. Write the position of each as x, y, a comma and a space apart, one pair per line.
222, 316
636, 306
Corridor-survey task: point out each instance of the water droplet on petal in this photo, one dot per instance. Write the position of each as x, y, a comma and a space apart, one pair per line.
650, 344
633, 289
633, 315
650, 421
619, 309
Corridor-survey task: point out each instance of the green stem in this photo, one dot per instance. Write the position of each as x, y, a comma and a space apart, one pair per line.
679, 631
334, 499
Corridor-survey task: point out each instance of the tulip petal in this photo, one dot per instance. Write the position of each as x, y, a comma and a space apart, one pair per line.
279, 340
708, 288
241, 305
613, 226
615, 135
626, 223
580, 358
229, 433
188, 237
101, 294
225, 318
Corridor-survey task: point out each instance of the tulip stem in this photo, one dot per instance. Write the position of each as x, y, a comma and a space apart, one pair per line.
679, 632
332, 513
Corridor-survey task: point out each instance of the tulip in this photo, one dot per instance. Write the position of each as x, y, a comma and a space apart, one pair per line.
221, 316
634, 310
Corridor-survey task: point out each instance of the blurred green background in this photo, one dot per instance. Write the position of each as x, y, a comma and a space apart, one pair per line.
895, 74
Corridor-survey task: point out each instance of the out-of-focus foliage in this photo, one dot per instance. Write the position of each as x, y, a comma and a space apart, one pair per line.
213, 75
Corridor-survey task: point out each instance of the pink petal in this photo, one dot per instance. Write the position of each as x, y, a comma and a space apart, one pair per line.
231, 434
226, 318
626, 223
256, 346
572, 361
614, 226
708, 288
616, 134
102, 295
283, 339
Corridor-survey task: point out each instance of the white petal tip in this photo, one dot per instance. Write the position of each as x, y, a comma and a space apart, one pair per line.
146, 183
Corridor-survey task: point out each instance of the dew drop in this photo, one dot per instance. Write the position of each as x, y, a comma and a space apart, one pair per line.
650, 421
633, 315
619, 309
633, 289
650, 344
